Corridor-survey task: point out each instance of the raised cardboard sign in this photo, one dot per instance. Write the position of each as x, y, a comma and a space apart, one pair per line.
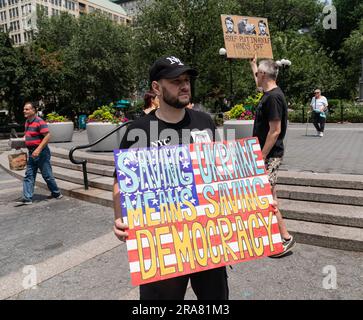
246, 36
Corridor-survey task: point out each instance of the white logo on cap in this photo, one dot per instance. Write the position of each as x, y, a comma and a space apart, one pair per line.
173, 60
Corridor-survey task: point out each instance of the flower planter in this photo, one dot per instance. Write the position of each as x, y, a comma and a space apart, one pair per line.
237, 129
96, 130
61, 131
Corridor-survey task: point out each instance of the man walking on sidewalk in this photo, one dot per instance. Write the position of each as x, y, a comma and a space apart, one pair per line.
36, 140
270, 127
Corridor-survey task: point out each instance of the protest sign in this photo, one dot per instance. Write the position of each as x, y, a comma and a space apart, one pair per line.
246, 36
195, 207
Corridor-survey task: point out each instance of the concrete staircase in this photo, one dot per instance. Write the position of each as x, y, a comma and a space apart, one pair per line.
4, 145
320, 209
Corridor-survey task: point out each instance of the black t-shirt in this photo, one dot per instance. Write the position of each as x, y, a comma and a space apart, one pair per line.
272, 106
149, 131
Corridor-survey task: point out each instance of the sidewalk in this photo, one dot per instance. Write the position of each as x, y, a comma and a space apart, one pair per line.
339, 151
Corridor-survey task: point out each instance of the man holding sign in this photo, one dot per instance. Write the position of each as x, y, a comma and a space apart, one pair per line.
189, 206
170, 80
270, 127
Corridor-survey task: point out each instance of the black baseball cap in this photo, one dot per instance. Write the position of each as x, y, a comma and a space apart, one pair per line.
169, 68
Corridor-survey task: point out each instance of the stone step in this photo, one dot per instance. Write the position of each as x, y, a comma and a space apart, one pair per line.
336, 214
325, 195
4, 145
94, 180
326, 235
91, 157
326, 180
91, 167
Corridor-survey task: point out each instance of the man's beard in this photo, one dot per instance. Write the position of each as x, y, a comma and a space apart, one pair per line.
174, 101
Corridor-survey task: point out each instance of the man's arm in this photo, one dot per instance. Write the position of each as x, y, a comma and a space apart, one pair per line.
42, 145
273, 134
253, 64
119, 227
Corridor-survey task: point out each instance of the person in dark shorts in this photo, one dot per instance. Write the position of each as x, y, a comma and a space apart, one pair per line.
170, 80
270, 127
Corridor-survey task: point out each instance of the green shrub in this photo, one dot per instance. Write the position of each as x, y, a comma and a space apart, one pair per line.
351, 113
55, 117
106, 113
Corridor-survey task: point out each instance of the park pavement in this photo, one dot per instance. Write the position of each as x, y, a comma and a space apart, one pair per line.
70, 246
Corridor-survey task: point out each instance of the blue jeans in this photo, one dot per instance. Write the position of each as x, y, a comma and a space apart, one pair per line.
43, 163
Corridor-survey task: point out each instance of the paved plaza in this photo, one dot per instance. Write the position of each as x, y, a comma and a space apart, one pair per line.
70, 245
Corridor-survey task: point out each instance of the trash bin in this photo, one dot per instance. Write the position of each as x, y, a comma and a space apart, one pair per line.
82, 121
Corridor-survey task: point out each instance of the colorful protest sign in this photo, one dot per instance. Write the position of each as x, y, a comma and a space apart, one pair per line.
246, 36
195, 207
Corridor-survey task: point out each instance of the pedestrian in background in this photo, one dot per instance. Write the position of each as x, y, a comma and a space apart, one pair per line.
151, 102
319, 105
36, 140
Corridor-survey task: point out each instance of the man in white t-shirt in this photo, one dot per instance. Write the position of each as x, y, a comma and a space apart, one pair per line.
319, 105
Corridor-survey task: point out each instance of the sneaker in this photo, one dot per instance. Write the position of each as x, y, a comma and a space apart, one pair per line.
23, 201
287, 245
321, 134
318, 133
59, 196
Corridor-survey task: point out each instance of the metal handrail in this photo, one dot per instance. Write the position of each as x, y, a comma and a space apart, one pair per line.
84, 162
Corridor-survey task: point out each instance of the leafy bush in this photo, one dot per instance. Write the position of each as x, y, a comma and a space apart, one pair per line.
106, 113
245, 111
55, 117
351, 113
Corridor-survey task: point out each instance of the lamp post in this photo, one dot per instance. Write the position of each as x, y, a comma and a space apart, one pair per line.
223, 53
283, 64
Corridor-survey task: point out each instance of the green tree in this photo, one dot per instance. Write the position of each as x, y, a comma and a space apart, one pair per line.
283, 15
99, 62
190, 30
352, 50
11, 74
311, 68
349, 15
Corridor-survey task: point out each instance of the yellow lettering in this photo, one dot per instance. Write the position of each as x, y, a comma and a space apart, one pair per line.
202, 259
225, 237
146, 274
252, 219
212, 231
242, 236
268, 228
135, 216
163, 251
193, 214
183, 247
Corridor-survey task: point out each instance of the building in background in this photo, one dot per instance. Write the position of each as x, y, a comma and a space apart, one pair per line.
19, 17
132, 7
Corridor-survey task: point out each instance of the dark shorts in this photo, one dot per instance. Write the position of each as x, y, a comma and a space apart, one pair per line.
272, 165
207, 285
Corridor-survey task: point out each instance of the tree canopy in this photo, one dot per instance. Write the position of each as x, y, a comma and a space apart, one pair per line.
80, 64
